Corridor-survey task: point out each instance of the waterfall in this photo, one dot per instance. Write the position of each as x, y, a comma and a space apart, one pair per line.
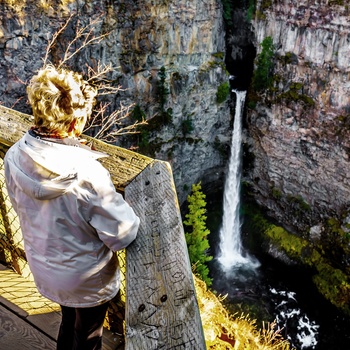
231, 250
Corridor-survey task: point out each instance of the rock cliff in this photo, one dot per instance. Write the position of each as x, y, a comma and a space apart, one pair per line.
299, 131
184, 37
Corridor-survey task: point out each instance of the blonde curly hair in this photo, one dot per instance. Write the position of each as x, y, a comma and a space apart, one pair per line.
61, 100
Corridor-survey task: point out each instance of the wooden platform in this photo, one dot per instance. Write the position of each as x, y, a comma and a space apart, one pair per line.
161, 307
30, 322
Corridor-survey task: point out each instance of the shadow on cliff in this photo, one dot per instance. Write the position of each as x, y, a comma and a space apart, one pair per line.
240, 49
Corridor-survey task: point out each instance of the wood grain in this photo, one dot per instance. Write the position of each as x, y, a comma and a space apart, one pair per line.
19, 296
161, 308
15, 333
13, 125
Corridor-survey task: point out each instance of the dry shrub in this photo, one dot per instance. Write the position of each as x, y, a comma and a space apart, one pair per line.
223, 331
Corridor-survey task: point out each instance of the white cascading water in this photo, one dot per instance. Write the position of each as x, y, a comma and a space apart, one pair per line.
303, 331
231, 251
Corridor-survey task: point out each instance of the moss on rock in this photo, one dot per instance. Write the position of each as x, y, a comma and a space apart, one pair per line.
332, 282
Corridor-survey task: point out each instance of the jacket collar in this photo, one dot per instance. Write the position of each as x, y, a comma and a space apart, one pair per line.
57, 157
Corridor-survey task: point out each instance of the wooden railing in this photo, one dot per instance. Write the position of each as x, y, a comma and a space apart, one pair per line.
161, 306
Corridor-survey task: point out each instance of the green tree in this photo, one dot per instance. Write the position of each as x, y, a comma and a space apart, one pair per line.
228, 8
187, 126
138, 114
196, 237
162, 97
163, 91
263, 75
223, 92
251, 10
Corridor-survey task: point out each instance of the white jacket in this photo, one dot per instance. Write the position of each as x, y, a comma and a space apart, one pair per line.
72, 220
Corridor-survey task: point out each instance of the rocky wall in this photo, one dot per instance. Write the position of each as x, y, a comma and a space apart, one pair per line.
299, 131
186, 37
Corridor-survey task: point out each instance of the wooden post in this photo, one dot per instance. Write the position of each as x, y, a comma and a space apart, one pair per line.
162, 310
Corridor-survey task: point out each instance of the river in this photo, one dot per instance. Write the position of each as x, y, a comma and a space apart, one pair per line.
276, 291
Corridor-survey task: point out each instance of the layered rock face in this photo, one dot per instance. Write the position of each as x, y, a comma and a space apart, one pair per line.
300, 133
186, 37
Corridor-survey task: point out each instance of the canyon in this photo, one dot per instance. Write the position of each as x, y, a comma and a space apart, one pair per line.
296, 132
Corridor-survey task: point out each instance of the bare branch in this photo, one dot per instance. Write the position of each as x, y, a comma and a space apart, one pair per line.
17, 101
87, 33
98, 117
54, 38
113, 125
108, 126
97, 77
99, 73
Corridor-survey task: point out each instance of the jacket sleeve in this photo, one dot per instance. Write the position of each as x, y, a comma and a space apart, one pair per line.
112, 217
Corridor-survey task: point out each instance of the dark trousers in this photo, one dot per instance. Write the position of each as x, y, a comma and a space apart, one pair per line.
81, 328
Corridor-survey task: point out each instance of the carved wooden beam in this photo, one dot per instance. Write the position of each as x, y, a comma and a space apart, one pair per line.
164, 312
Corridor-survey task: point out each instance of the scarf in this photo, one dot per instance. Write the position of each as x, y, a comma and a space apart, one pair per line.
54, 136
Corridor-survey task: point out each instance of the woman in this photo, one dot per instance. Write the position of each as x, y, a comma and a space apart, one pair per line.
71, 217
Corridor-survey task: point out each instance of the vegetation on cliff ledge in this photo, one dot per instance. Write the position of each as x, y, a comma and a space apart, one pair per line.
331, 281
223, 331
263, 74
294, 94
325, 250
223, 92
268, 86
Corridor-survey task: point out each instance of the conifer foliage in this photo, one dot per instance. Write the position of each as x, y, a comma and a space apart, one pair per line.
197, 232
263, 75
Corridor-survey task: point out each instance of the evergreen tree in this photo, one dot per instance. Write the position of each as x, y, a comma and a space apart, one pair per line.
162, 97
196, 238
263, 75
163, 91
